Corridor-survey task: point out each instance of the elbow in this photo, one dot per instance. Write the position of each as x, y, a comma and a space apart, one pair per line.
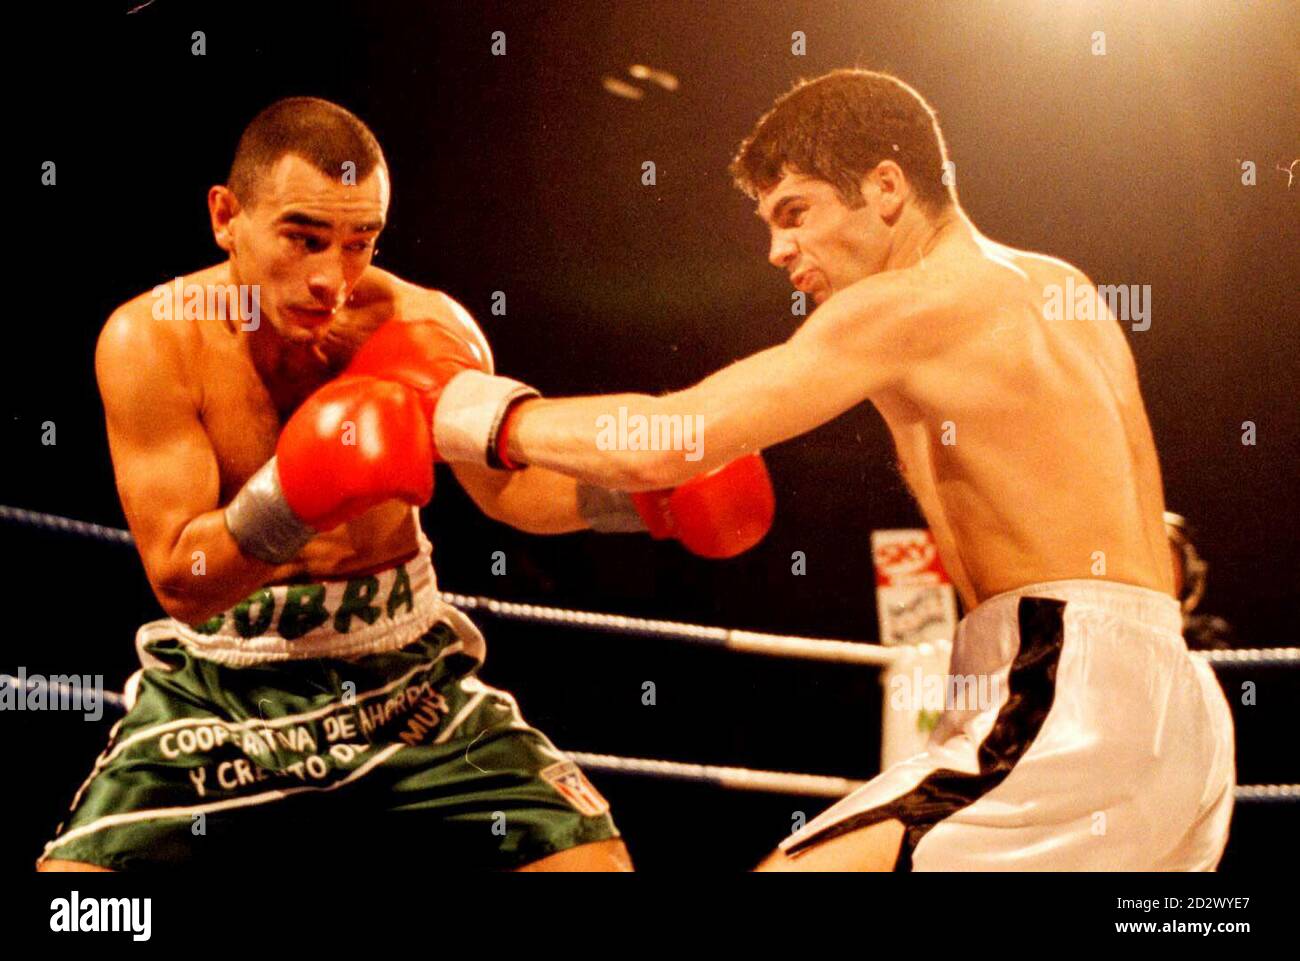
183, 609
520, 520
179, 601
529, 516
177, 609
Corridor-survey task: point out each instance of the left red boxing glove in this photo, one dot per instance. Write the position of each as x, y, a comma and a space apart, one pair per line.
466, 404
718, 514
354, 443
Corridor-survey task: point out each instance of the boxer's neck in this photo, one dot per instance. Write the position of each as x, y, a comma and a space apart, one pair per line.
287, 369
918, 236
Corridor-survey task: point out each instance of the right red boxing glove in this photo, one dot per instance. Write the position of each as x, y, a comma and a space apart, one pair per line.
718, 514
422, 354
354, 443
466, 404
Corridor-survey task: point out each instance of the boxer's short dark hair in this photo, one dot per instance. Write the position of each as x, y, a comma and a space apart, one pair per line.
322, 133
837, 128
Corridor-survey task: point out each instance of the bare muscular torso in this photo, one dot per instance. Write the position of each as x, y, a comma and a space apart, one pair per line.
244, 385
1025, 440
243, 411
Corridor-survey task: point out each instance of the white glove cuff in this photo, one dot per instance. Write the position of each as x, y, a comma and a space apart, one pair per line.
471, 411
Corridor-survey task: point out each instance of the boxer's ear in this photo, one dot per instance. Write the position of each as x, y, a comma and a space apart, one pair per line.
885, 187
223, 207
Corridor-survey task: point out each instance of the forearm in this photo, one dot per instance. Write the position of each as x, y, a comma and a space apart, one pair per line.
714, 513
744, 408
624, 441
223, 555
205, 572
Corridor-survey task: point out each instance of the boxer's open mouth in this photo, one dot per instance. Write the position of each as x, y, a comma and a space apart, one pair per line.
802, 281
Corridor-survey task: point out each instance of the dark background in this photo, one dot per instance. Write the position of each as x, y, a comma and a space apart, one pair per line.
521, 174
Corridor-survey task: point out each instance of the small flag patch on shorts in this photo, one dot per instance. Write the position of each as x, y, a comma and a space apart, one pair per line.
567, 778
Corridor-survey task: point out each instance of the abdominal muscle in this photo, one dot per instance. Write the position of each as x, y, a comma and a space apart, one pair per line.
382, 538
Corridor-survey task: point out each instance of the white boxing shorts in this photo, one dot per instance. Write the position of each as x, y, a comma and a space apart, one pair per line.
1102, 744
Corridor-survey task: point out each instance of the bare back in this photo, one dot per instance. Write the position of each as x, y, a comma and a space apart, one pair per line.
1025, 440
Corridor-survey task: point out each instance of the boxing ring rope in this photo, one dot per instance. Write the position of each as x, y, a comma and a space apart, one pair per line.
780, 645
751, 642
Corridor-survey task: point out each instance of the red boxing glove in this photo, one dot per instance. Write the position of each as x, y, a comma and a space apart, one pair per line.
354, 443
465, 403
718, 514
422, 354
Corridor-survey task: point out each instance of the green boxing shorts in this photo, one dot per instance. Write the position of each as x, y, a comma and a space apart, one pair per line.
328, 725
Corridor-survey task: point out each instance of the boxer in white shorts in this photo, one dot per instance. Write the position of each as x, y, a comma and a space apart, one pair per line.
1107, 747
1012, 397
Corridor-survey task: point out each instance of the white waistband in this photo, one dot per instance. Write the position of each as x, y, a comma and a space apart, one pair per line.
361, 615
1129, 601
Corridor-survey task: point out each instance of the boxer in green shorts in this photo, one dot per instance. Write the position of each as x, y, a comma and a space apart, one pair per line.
370, 725
270, 420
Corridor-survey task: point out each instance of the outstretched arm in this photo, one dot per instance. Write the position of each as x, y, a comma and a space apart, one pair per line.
851, 347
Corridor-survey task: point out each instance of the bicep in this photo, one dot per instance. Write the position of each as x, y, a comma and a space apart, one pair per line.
163, 462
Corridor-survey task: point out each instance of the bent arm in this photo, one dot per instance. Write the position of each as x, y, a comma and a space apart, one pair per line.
837, 359
167, 476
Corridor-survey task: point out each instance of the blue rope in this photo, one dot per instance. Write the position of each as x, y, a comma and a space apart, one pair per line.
53, 522
111, 698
